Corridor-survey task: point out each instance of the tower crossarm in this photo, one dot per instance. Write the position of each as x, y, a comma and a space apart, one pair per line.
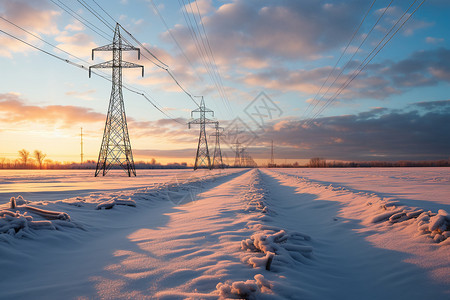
201, 121
122, 47
110, 64
202, 110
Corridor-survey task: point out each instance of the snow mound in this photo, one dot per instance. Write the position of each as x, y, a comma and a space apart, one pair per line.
249, 289
437, 226
22, 222
111, 203
276, 244
389, 211
279, 247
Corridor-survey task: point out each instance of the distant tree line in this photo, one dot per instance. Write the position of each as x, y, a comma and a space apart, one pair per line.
37, 160
317, 162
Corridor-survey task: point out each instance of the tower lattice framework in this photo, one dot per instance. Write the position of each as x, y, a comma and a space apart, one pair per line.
217, 161
116, 147
237, 156
202, 159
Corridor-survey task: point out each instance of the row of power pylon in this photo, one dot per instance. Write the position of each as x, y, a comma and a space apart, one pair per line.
203, 157
116, 147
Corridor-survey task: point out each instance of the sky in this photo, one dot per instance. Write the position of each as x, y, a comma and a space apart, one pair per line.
281, 71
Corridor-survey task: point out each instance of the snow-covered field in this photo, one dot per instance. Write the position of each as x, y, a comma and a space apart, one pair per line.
241, 234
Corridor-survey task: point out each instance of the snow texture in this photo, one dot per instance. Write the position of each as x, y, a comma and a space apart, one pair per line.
249, 289
233, 234
277, 245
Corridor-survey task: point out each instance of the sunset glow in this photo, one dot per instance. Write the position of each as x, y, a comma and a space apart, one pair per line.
397, 108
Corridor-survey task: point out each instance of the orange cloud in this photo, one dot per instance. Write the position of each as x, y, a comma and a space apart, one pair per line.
79, 43
14, 110
35, 16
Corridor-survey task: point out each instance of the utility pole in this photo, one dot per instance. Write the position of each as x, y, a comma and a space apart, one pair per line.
272, 159
217, 157
202, 159
81, 145
116, 146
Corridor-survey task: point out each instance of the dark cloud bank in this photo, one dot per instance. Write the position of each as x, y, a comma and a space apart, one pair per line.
421, 132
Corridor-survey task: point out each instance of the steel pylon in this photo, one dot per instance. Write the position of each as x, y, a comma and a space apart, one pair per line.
217, 162
116, 147
237, 159
202, 159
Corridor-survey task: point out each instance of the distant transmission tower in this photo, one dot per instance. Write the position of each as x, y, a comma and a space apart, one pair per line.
242, 156
237, 160
272, 159
217, 157
81, 145
202, 158
116, 146
246, 159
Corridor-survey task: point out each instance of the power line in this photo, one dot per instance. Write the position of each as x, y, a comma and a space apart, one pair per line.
86, 69
105, 11
340, 57
356, 72
209, 57
165, 67
161, 64
82, 20
174, 39
354, 53
202, 52
98, 16
227, 104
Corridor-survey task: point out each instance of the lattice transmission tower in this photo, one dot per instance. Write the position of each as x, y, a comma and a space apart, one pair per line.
237, 156
116, 146
202, 159
246, 159
272, 158
217, 162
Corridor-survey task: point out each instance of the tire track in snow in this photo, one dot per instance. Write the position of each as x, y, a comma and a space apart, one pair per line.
95, 262
269, 249
349, 260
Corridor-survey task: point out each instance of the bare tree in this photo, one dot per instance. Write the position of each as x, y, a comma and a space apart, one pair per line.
39, 156
24, 155
317, 162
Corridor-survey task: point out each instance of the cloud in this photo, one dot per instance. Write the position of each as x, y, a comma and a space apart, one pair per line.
79, 43
31, 14
432, 105
36, 16
433, 40
422, 68
379, 134
393, 14
263, 29
13, 109
75, 26
86, 95
377, 81
204, 6
267, 39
